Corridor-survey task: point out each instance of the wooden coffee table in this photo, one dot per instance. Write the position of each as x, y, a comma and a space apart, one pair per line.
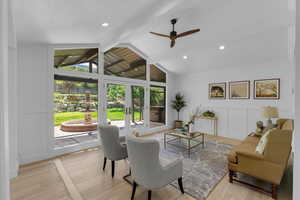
186, 141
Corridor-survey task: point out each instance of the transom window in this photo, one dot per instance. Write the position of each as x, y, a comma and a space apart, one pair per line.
156, 74
80, 60
123, 62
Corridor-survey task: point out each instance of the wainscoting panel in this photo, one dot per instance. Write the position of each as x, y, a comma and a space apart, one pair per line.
33, 139
235, 122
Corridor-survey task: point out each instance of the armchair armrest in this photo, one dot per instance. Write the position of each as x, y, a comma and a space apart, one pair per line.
248, 154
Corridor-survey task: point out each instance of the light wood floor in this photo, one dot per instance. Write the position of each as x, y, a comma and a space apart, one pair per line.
79, 176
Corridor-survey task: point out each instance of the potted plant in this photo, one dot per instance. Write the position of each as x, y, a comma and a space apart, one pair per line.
178, 103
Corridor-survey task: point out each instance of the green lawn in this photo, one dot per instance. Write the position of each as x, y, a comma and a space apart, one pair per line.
112, 114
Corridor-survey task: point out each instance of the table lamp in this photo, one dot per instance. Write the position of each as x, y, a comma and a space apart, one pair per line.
269, 113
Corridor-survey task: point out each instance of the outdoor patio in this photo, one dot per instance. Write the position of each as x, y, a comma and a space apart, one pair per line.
63, 138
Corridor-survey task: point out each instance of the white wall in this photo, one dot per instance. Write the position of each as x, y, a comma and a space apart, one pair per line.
296, 179
32, 102
172, 88
237, 118
13, 97
4, 128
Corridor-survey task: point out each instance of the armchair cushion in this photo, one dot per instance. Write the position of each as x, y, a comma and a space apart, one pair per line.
252, 139
249, 154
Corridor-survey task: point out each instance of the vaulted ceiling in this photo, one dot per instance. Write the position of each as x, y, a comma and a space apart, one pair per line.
252, 31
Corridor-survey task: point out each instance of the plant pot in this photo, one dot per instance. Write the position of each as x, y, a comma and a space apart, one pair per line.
178, 124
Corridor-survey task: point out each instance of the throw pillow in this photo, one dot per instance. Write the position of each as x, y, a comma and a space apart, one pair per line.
287, 125
135, 133
260, 148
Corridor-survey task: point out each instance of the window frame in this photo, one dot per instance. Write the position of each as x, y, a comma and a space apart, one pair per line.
101, 84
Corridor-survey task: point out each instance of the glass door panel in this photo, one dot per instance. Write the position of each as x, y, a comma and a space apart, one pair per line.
157, 106
137, 104
116, 105
75, 110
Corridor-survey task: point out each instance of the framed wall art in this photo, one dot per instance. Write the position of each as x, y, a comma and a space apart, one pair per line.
217, 91
267, 89
239, 90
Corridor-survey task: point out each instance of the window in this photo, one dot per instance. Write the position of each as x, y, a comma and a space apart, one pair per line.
75, 96
156, 74
80, 60
123, 62
75, 110
157, 106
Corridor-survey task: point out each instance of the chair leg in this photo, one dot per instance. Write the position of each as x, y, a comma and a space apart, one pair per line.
231, 176
149, 194
133, 189
180, 185
274, 191
104, 163
112, 168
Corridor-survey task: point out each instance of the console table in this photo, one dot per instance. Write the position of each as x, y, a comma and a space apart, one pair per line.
214, 121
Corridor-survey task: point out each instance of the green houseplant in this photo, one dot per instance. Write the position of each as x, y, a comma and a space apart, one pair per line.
178, 103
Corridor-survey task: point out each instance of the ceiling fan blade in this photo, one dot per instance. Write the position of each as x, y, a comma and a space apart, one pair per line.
188, 33
172, 43
159, 34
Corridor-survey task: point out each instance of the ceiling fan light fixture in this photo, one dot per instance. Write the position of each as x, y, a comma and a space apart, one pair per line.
185, 57
173, 34
221, 47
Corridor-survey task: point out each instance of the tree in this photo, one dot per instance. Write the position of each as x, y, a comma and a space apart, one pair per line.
178, 103
157, 96
68, 86
115, 93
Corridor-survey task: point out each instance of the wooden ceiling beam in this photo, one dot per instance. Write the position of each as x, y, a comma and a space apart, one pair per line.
134, 65
114, 63
88, 54
62, 61
111, 72
92, 57
138, 76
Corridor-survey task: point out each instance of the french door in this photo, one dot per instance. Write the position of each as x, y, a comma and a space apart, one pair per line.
125, 106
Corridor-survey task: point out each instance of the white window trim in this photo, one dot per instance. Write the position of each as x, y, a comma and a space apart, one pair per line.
52, 71
102, 79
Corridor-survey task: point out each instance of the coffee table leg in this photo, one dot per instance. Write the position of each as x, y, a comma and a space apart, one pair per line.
165, 141
189, 147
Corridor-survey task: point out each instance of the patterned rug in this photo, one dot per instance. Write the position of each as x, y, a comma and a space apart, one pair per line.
203, 170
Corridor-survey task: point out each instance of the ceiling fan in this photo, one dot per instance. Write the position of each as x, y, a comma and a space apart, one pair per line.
173, 34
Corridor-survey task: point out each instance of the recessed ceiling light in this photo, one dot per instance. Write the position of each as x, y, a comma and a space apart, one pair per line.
184, 57
222, 47
105, 24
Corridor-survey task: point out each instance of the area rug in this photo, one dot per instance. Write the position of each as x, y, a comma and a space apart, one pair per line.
203, 170
206, 167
